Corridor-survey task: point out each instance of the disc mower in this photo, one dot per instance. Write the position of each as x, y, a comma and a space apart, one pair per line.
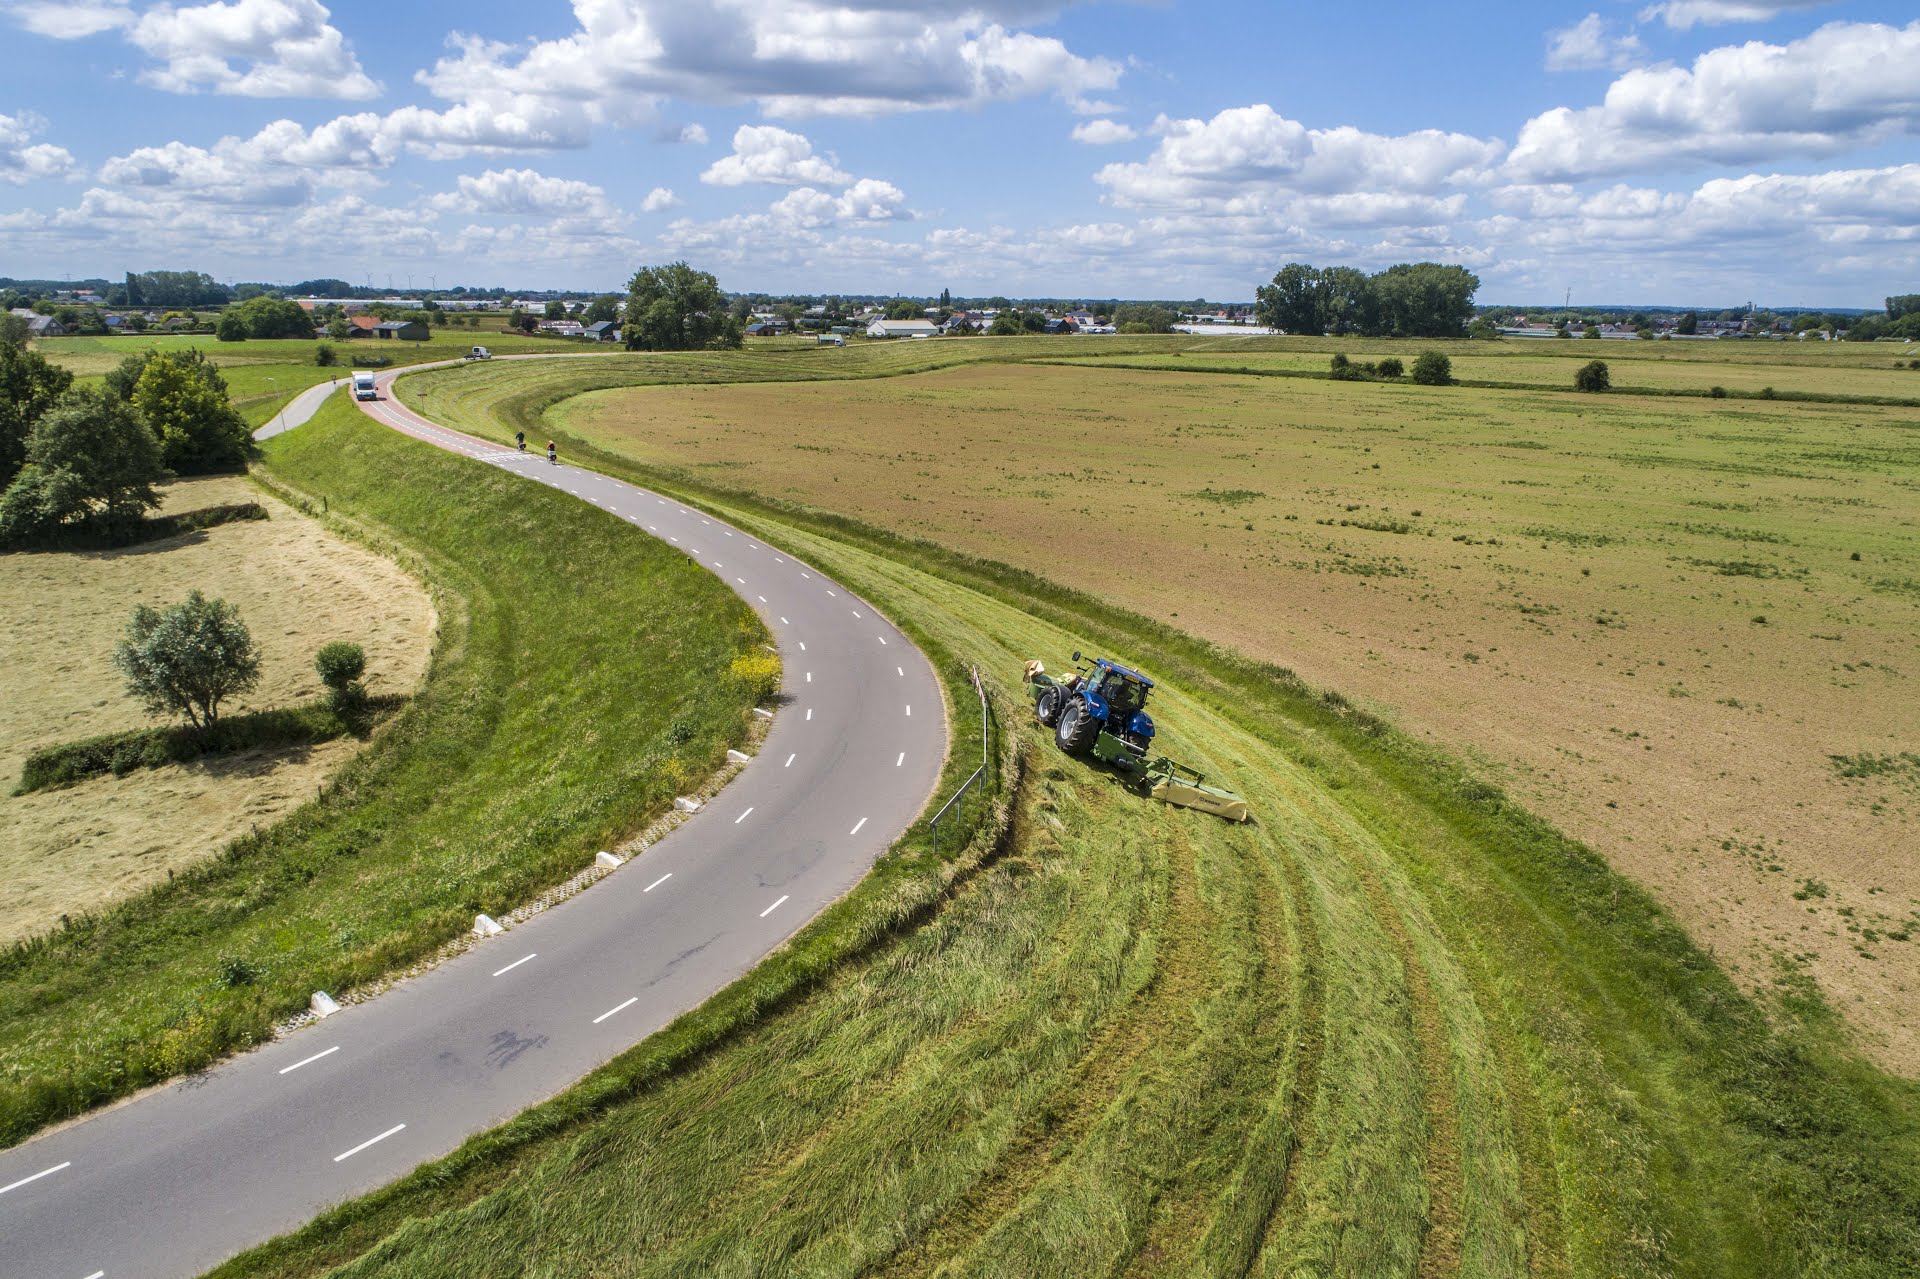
1100, 712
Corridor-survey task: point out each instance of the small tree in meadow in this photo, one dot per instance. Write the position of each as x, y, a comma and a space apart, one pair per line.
188, 659
1592, 377
341, 664
1433, 369
1391, 367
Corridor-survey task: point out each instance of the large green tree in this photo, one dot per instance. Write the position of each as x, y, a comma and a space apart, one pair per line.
676, 308
1418, 299
91, 463
602, 308
267, 317
188, 659
29, 385
184, 399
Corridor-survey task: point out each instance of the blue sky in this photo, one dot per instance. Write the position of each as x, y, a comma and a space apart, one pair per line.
1686, 151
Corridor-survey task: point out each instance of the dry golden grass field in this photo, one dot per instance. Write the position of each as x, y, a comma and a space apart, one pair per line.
297, 587
1682, 629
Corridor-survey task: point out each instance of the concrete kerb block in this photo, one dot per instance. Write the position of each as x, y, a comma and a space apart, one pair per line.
322, 1004
686, 805
609, 861
738, 757
486, 926
763, 712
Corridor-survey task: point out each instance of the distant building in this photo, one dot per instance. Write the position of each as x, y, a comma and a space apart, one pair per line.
902, 329
563, 328
405, 330
604, 331
40, 326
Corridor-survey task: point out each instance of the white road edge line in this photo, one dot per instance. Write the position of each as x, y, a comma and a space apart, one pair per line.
288, 1070
656, 883
372, 1141
611, 1011
776, 906
856, 827
516, 963
36, 1176
743, 817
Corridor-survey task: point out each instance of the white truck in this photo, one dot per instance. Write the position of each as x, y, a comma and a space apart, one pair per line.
479, 353
363, 387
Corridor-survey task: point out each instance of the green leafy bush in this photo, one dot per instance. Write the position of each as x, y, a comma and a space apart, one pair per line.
1433, 369
188, 659
341, 664
1593, 376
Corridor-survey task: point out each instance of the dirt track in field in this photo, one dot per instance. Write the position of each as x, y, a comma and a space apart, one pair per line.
1640, 616
297, 587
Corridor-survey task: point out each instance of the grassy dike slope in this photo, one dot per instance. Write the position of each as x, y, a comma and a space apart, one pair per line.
579, 683
1396, 1027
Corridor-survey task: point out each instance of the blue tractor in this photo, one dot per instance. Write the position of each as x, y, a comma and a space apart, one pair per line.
1102, 712
1099, 712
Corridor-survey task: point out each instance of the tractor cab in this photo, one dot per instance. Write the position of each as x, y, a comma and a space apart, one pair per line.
1117, 697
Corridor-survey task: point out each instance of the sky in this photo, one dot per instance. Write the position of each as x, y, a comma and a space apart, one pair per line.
1688, 152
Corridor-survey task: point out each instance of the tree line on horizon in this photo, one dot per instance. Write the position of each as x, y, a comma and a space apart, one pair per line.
1408, 299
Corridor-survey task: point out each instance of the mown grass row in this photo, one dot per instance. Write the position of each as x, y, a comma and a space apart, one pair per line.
533, 743
1398, 1026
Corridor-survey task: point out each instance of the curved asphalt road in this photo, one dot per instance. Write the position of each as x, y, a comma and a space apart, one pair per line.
178, 1180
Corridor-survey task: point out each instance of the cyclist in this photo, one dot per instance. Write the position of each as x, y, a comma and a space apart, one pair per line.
520, 438
553, 454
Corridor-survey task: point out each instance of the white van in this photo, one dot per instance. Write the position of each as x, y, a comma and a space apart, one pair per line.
479, 353
363, 387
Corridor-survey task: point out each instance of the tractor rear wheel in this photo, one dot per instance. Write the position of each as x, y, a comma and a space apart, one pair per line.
1077, 729
1046, 707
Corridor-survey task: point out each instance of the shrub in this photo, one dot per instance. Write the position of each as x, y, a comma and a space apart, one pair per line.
1592, 331
324, 357
1433, 369
1592, 376
1391, 367
238, 970
189, 659
1718, 392
232, 328
760, 672
341, 664
1768, 393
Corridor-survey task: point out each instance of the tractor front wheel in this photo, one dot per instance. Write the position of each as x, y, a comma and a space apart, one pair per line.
1077, 729
1046, 707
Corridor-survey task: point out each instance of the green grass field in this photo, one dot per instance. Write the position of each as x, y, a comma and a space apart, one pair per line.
1398, 1026
484, 791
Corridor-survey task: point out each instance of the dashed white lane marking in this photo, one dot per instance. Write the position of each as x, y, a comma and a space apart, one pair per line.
653, 528
835, 594
36, 1176
803, 645
727, 532
761, 598
902, 670
741, 580
98, 1274
909, 710
901, 760
776, 906
516, 963
856, 826
808, 576
883, 639
790, 759
616, 1008
809, 677
308, 1061
743, 817
674, 540
809, 714
776, 559
785, 622
348, 1154
661, 500
663, 879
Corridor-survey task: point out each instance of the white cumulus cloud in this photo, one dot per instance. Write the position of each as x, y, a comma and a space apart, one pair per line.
659, 200
1843, 86
765, 153
1103, 132
522, 192
1682, 15
1588, 45
23, 160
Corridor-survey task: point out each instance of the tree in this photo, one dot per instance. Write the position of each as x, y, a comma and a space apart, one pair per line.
184, 399
676, 308
231, 328
1591, 331
1006, 324
269, 317
341, 664
1687, 325
13, 331
1592, 376
1423, 299
29, 386
1432, 368
603, 308
1903, 305
556, 309
188, 659
904, 309
1143, 317
340, 327
91, 463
